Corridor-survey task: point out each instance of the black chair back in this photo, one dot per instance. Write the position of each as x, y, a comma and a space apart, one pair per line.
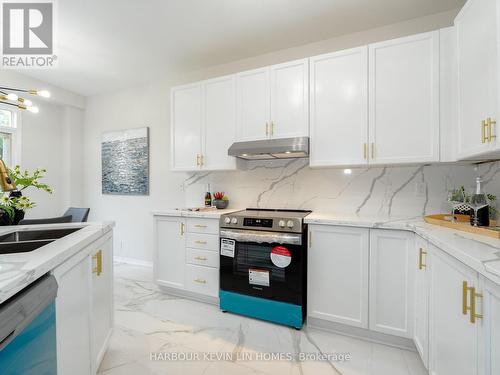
52, 220
80, 215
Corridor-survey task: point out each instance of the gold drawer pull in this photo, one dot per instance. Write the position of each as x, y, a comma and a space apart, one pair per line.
364, 150
200, 258
267, 129
200, 242
182, 229
373, 150
472, 308
200, 226
98, 258
421, 254
489, 123
484, 125
200, 281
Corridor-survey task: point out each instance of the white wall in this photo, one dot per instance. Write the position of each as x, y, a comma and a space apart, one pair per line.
51, 139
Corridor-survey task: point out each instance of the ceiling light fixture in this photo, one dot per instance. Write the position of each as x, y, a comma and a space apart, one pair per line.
15, 100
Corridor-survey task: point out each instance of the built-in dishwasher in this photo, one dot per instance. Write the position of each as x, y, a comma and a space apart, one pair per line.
28, 330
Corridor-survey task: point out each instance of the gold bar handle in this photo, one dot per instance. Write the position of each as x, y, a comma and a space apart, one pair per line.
200, 226
200, 281
182, 229
267, 129
473, 295
197, 160
489, 123
373, 150
200, 258
421, 254
98, 258
202, 161
272, 128
365, 150
200, 242
484, 125
465, 308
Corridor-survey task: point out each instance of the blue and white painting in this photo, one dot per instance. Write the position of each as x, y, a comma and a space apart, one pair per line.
125, 162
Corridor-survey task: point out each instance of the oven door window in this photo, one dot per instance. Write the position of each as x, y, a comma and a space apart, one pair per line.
252, 271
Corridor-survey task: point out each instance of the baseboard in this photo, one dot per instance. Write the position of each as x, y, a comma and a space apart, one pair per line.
361, 333
133, 261
188, 295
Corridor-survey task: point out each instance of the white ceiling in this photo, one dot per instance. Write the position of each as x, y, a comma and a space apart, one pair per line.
107, 45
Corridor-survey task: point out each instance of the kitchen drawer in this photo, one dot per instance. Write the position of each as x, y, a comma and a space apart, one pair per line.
203, 241
202, 257
210, 226
203, 280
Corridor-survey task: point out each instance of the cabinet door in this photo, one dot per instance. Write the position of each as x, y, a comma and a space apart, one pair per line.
339, 108
253, 104
477, 47
391, 282
404, 100
73, 318
290, 99
490, 330
102, 298
170, 251
338, 275
421, 319
186, 127
219, 119
453, 338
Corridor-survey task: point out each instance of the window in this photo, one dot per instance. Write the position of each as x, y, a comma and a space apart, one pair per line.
9, 137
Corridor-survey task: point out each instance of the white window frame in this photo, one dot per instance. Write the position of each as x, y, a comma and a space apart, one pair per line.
16, 132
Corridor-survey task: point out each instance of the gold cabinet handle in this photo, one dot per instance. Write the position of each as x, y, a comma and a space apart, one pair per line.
200, 226
484, 125
373, 150
365, 150
182, 229
200, 281
489, 124
98, 258
421, 254
272, 128
197, 160
200, 258
200, 242
471, 291
202, 161
267, 129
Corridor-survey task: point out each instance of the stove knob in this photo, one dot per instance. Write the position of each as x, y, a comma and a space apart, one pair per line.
289, 224
281, 223
227, 220
234, 220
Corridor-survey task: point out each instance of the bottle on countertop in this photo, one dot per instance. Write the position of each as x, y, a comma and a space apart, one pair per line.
208, 197
482, 215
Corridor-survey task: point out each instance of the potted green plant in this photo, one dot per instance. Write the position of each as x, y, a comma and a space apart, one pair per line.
14, 204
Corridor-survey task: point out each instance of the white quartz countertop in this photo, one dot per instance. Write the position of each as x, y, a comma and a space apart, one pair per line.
478, 252
211, 214
18, 270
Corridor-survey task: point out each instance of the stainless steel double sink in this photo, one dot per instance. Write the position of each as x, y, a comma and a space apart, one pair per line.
23, 241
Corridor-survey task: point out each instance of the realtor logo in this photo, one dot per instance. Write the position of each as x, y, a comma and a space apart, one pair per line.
27, 34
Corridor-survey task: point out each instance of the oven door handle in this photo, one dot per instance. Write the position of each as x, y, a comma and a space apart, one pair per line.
261, 236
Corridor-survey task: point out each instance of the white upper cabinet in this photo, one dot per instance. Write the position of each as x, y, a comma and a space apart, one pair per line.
203, 125
186, 115
219, 119
477, 48
404, 100
272, 102
392, 273
339, 108
289, 99
337, 286
253, 104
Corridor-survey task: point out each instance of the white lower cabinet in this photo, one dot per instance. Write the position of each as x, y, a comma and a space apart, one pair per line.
489, 345
187, 255
170, 251
84, 308
421, 310
391, 282
338, 274
453, 335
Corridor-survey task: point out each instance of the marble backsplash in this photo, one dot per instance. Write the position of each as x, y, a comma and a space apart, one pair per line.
382, 191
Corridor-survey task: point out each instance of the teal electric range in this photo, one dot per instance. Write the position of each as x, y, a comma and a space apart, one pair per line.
263, 263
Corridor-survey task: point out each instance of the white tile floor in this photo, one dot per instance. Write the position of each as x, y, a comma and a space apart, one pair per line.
149, 321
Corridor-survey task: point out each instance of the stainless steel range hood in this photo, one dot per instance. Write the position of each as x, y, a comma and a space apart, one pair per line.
285, 148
